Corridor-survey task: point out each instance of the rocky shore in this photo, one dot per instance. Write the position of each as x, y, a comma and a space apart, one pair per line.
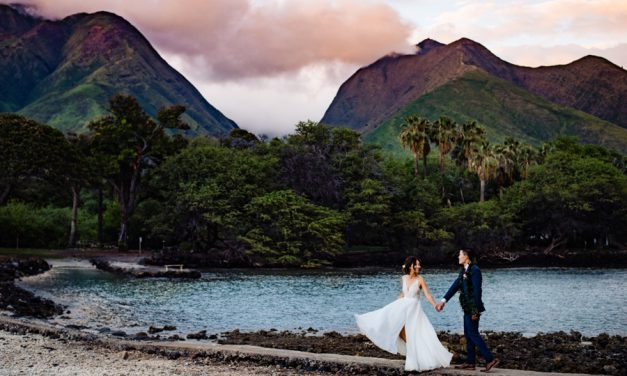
84, 353
35, 354
550, 352
106, 266
19, 301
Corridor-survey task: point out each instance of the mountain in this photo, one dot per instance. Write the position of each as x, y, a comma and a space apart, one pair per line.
465, 81
63, 72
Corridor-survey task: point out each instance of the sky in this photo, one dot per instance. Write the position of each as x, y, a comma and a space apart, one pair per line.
268, 64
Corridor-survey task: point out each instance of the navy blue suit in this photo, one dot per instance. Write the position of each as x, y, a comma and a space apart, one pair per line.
474, 305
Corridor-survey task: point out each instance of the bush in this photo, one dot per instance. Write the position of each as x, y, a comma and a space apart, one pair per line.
24, 225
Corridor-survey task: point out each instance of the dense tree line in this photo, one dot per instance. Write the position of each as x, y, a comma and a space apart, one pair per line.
303, 199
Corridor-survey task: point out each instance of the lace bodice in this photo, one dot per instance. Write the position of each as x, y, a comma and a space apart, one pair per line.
412, 291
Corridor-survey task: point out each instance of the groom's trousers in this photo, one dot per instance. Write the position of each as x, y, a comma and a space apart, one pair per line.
473, 339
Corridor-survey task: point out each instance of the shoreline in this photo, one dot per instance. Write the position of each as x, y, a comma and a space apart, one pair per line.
104, 354
556, 352
547, 352
615, 259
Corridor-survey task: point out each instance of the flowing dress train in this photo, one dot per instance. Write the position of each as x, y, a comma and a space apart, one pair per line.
423, 350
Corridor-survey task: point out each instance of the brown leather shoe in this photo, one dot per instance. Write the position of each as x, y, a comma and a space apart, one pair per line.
491, 365
467, 366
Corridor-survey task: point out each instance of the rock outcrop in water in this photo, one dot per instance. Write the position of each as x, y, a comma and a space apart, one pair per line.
107, 267
19, 301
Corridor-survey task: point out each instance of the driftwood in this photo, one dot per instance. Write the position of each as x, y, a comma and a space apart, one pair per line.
555, 243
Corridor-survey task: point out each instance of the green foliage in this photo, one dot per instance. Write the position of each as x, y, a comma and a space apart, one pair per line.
240, 138
62, 74
288, 230
302, 200
504, 109
205, 189
28, 151
483, 226
369, 211
127, 143
23, 225
575, 198
414, 136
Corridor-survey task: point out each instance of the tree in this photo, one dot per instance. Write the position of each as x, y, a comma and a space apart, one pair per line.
468, 138
76, 176
131, 142
369, 213
204, 189
240, 138
485, 163
28, 151
485, 227
17, 219
506, 156
576, 198
415, 136
444, 134
307, 163
287, 229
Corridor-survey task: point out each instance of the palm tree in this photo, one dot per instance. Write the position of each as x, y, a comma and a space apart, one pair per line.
543, 151
444, 134
484, 162
468, 137
526, 157
415, 135
523, 156
506, 158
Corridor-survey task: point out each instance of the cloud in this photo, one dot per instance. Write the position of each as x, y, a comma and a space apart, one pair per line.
273, 105
534, 56
237, 39
597, 23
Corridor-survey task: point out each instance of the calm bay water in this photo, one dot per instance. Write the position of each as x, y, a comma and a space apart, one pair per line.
524, 300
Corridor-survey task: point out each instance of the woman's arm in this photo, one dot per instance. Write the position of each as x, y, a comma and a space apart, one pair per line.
425, 289
402, 281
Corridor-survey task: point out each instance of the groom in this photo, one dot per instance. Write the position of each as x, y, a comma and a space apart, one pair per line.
469, 282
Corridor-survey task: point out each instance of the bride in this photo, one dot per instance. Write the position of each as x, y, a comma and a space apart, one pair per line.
402, 327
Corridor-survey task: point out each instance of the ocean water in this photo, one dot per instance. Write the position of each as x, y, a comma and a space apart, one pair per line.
527, 300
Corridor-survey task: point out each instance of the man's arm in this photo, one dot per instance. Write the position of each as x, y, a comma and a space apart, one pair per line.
452, 290
476, 287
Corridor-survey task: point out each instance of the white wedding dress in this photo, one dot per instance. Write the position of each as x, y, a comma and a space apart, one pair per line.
423, 351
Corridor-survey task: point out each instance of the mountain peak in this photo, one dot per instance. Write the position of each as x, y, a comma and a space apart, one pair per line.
78, 62
427, 45
469, 45
16, 19
594, 60
376, 93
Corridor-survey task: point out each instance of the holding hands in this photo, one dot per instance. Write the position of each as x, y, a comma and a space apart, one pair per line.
439, 307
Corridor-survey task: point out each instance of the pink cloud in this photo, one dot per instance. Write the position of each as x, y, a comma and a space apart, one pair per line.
546, 21
534, 56
233, 39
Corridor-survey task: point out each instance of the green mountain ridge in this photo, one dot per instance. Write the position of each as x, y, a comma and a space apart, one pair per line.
584, 98
62, 73
504, 109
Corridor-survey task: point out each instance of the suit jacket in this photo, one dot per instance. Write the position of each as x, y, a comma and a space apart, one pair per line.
475, 278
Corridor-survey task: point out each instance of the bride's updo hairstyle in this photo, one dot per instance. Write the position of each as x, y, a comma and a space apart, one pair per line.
409, 262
